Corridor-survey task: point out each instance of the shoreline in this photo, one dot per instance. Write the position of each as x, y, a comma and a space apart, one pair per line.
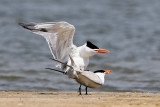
72, 99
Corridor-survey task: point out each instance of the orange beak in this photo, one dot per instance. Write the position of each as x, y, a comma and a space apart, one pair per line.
107, 71
103, 51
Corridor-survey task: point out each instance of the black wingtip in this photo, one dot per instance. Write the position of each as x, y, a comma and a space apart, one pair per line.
22, 24
29, 26
56, 70
61, 62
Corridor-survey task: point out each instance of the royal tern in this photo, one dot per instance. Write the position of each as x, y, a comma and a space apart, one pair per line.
86, 78
59, 36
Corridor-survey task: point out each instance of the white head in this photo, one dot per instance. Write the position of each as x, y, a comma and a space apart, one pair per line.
101, 74
89, 49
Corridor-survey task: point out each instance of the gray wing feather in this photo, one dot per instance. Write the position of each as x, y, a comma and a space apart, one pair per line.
59, 36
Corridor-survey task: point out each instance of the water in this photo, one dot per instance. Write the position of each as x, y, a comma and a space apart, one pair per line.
129, 29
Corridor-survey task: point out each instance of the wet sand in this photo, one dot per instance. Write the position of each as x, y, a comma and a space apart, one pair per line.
72, 99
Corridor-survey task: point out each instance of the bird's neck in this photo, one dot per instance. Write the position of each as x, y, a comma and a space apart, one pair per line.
101, 76
83, 52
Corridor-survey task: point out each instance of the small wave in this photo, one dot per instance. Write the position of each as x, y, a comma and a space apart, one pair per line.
11, 78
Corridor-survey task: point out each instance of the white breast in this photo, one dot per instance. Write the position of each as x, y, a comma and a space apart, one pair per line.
81, 63
101, 76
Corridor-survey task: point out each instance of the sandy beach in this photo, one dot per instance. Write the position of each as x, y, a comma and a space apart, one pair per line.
72, 99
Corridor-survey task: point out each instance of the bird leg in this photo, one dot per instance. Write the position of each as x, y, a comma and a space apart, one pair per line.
86, 90
80, 90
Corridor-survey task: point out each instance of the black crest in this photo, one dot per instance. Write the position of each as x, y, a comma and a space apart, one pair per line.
99, 71
92, 46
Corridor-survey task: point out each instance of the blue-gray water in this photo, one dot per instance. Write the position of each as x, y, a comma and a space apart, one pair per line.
130, 29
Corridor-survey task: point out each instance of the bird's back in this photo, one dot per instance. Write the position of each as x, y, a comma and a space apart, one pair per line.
89, 79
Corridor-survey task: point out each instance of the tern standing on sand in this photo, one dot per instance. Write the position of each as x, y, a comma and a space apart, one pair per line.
59, 36
86, 78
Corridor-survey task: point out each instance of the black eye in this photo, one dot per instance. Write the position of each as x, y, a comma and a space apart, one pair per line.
92, 46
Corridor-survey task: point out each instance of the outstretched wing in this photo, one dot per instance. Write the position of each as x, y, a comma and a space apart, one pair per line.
59, 36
